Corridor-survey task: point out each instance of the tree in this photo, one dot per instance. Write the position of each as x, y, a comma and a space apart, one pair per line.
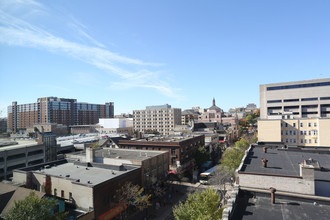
133, 196
231, 159
32, 207
242, 144
199, 205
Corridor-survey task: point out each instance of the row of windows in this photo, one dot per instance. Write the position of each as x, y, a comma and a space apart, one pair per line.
153, 126
307, 85
308, 141
313, 132
309, 124
297, 100
289, 132
62, 193
302, 141
149, 112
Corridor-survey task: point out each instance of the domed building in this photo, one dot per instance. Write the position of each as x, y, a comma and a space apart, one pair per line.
214, 107
216, 114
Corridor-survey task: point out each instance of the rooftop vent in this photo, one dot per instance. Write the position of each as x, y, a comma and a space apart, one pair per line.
87, 168
67, 175
89, 182
78, 180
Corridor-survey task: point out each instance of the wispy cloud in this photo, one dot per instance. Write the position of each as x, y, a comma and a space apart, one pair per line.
17, 32
81, 29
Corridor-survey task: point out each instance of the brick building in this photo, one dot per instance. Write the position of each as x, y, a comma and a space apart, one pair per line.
181, 149
56, 110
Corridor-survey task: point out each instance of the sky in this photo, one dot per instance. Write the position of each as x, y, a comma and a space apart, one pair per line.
152, 52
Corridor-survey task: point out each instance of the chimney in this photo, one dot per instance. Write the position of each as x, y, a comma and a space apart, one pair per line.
89, 155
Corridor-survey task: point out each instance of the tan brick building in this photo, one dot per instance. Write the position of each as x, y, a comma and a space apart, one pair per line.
313, 132
160, 118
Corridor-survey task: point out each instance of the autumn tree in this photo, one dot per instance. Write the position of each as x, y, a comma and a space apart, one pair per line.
133, 196
199, 205
33, 207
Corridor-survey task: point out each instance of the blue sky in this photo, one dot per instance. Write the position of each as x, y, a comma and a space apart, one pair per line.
139, 53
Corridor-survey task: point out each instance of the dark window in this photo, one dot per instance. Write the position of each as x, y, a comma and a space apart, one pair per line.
309, 99
325, 98
291, 100
62, 193
274, 101
308, 85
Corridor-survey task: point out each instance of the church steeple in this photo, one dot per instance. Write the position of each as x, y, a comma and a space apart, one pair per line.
213, 101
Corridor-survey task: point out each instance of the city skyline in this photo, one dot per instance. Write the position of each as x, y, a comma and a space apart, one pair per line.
151, 53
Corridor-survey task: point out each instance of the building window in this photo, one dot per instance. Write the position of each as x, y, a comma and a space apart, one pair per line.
302, 141
301, 124
70, 195
301, 132
315, 124
305, 132
286, 140
290, 132
294, 125
286, 132
62, 193
310, 141
309, 133
286, 125
55, 192
315, 141
294, 132
309, 124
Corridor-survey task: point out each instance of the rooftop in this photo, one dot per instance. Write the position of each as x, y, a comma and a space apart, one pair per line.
286, 161
127, 154
89, 174
171, 138
12, 145
258, 206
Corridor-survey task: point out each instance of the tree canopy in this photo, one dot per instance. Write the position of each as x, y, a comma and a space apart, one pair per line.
199, 205
34, 208
242, 144
231, 159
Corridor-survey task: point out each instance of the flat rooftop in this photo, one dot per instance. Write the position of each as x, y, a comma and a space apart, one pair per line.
170, 138
82, 174
12, 145
285, 161
258, 206
127, 154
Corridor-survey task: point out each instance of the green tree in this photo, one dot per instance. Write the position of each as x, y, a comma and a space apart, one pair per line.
242, 144
199, 205
32, 207
251, 119
231, 159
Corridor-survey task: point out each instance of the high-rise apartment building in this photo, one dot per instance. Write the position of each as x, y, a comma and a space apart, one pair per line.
56, 110
295, 113
160, 118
